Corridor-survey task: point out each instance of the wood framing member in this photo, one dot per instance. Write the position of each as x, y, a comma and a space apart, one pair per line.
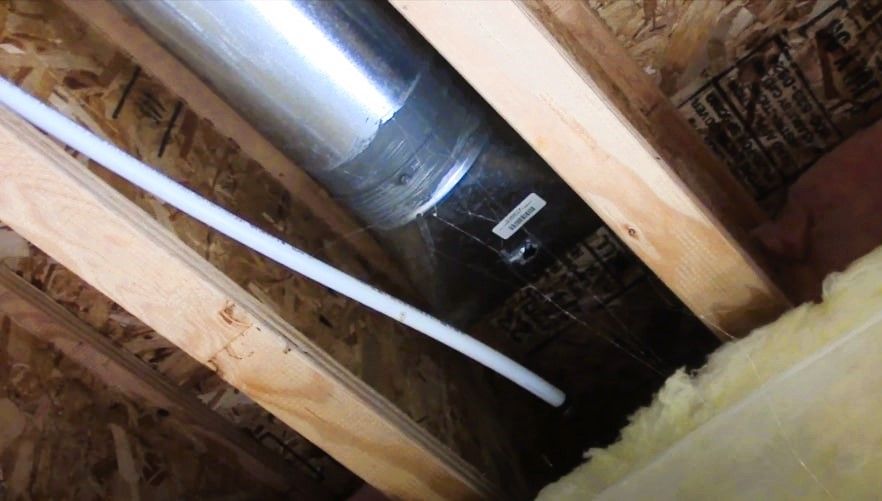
557, 75
162, 65
56, 203
45, 319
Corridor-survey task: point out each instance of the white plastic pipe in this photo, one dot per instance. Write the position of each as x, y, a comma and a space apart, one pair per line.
240, 230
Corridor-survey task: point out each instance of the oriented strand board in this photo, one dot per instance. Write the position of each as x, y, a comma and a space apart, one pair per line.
49, 322
770, 85
64, 434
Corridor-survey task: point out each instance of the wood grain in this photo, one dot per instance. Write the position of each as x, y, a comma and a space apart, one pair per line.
162, 65
45, 319
56, 203
615, 140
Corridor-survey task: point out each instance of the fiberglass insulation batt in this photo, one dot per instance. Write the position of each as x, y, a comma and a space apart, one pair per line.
793, 411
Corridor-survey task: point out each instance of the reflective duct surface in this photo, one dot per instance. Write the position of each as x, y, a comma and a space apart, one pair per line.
348, 91
339, 87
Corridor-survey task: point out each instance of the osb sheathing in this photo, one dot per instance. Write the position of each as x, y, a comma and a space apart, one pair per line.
53, 55
798, 76
66, 435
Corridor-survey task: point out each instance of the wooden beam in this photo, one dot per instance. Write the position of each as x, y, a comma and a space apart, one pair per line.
46, 320
556, 74
162, 65
56, 203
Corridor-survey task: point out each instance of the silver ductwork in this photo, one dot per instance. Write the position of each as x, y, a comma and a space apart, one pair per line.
362, 104
349, 91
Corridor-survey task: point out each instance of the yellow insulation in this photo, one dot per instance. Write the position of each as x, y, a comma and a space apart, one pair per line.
792, 411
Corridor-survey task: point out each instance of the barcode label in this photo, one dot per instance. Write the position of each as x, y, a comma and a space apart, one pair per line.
519, 216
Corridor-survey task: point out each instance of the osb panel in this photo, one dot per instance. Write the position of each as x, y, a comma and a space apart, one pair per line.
65, 435
53, 55
769, 84
117, 324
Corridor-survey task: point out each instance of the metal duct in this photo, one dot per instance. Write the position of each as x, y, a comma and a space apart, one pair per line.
341, 88
346, 89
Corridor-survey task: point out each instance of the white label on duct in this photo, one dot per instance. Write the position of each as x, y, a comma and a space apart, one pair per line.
519, 216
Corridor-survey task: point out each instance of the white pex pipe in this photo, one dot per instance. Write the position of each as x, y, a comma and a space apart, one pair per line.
240, 230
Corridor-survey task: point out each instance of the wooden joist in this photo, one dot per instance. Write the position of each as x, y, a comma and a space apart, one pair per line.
56, 203
162, 65
45, 319
556, 74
